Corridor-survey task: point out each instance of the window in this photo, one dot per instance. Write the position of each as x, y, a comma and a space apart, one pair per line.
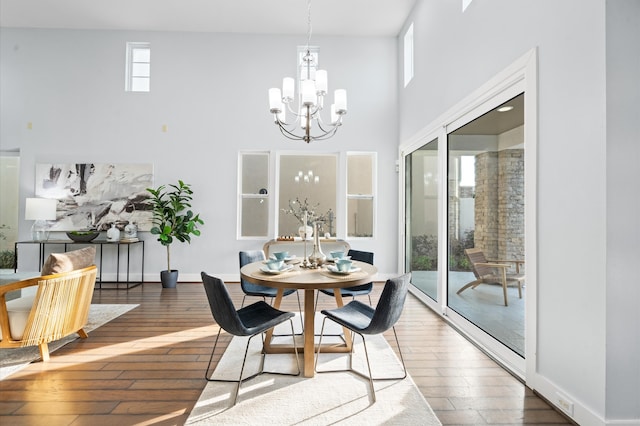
311, 179
253, 202
138, 72
312, 182
360, 194
408, 55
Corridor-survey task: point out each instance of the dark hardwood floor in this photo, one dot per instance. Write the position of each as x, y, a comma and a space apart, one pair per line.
146, 367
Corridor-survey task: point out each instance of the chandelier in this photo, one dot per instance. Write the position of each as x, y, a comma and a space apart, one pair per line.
307, 123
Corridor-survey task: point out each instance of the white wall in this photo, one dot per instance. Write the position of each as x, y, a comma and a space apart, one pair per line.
211, 92
623, 209
458, 52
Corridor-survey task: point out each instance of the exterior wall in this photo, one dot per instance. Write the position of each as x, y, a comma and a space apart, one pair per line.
511, 204
499, 204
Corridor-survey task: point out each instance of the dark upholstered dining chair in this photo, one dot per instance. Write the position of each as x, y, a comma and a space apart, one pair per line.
251, 320
365, 320
358, 290
250, 289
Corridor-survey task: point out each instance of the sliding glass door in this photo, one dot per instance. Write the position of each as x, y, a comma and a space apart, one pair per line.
421, 218
464, 197
486, 204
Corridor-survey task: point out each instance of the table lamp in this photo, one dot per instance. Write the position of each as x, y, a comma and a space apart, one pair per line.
41, 210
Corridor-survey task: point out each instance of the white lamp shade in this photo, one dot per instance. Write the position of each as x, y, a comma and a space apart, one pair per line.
287, 88
40, 209
340, 97
321, 82
308, 92
275, 100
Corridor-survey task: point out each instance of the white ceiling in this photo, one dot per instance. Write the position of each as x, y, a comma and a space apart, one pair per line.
329, 17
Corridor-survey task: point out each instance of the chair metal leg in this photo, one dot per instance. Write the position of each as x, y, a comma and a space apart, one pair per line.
244, 360
206, 373
300, 311
358, 373
301, 317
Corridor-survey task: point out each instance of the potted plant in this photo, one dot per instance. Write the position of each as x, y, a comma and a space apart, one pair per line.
173, 220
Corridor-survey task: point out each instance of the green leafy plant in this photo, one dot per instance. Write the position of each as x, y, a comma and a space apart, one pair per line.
172, 215
7, 259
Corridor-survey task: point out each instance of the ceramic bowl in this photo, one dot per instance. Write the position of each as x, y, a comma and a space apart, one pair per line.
343, 265
337, 254
275, 265
281, 255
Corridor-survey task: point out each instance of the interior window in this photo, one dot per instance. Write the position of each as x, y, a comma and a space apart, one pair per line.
254, 194
307, 182
360, 194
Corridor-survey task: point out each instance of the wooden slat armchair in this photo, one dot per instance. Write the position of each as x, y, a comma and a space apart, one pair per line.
493, 272
60, 307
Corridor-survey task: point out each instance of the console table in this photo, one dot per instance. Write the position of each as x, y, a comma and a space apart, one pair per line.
297, 245
101, 243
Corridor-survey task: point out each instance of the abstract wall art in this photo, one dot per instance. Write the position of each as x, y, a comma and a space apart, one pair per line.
95, 195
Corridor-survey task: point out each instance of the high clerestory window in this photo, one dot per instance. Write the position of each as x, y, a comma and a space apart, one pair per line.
138, 72
408, 55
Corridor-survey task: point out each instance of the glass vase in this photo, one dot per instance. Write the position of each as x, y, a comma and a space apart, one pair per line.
317, 256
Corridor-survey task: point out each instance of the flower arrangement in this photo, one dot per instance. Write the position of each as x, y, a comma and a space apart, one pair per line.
302, 210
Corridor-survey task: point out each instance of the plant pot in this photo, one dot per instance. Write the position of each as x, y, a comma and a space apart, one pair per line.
169, 279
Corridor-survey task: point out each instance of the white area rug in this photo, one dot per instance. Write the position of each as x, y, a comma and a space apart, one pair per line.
12, 360
327, 398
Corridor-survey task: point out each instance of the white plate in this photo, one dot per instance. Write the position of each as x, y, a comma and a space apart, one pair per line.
285, 268
332, 268
286, 259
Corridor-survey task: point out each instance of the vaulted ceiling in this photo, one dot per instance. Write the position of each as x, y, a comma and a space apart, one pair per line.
329, 17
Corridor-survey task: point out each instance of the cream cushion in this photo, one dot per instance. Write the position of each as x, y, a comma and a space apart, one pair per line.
57, 263
18, 311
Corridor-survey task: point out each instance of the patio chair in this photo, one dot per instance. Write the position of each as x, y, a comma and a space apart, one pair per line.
493, 272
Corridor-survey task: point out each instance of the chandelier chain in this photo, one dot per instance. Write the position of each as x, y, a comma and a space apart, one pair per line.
309, 27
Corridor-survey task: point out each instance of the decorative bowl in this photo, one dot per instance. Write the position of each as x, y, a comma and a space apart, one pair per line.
82, 236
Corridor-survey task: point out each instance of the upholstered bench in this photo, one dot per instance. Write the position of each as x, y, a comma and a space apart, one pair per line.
51, 306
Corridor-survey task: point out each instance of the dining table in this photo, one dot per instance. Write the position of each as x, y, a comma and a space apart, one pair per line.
308, 280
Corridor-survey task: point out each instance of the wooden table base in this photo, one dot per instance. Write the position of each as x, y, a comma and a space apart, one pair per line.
310, 347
